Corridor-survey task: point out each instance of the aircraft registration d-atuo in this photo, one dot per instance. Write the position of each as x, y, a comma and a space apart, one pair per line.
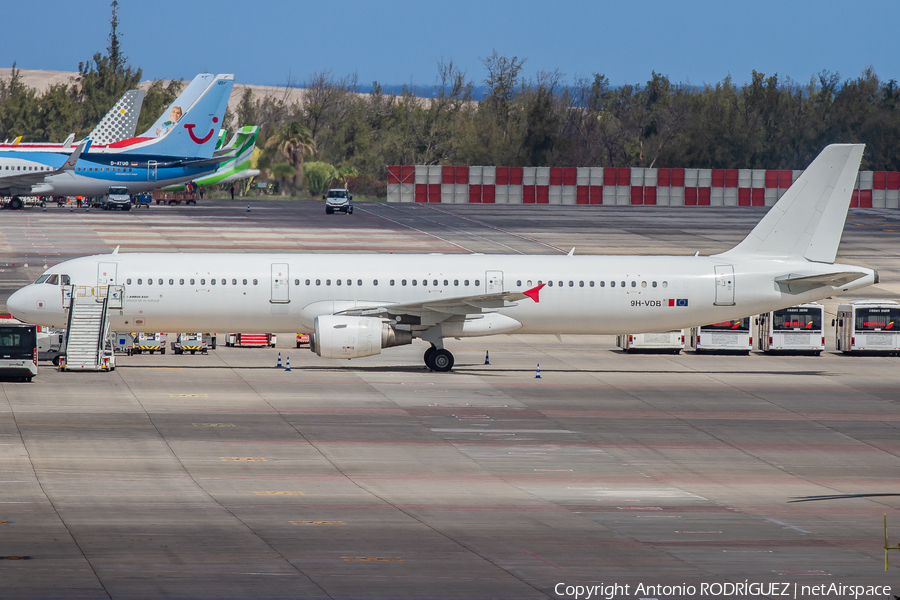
356, 305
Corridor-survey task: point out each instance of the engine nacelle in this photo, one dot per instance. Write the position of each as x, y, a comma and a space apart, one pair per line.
354, 337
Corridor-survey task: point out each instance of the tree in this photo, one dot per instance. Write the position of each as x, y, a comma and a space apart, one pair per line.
319, 176
293, 143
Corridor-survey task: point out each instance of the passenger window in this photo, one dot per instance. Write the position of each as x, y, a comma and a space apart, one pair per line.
54, 280
374, 282
234, 282
580, 284
149, 282
212, 281
338, 282
403, 282
623, 284
446, 283
654, 284
160, 281
477, 283
202, 282
255, 282
392, 282
528, 283
128, 281
359, 282
634, 284
171, 282
192, 281
560, 284
592, 284
466, 283
572, 283
296, 282
519, 283
327, 282
612, 284
456, 282
307, 282
602, 284
550, 284
349, 282
318, 282
415, 282
665, 284
181, 282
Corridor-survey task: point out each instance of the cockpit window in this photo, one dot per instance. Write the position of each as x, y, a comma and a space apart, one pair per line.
54, 279
64, 280
42, 279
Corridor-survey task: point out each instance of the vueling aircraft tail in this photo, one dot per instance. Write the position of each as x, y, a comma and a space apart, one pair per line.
120, 122
195, 134
808, 220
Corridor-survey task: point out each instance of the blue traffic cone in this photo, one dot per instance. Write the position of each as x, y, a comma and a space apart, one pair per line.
537, 375
248, 208
287, 366
45, 208
279, 360
487, 358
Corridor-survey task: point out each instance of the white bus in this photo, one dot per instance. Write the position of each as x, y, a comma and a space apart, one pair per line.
731, 337
794, 329
667, 341
869, 326
18, 350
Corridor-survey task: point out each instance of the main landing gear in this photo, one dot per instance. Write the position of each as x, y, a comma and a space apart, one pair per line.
438, 359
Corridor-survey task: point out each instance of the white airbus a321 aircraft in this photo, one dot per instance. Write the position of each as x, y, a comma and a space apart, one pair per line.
356, 305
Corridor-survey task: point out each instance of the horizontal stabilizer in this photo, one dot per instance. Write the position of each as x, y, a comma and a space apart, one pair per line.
796, 284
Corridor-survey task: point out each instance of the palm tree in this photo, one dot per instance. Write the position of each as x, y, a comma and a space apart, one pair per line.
293, 142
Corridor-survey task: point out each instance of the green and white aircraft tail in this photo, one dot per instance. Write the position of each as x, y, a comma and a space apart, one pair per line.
237, 167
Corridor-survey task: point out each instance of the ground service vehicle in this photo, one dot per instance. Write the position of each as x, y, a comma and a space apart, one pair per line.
123, 343
725, 337
20, 202
51, 346
150, 342
173, 198
143, 199
794, 329
190, 342
338, 200
667, 341
18, 350
868, 326
302, 340
250, 339
117, 197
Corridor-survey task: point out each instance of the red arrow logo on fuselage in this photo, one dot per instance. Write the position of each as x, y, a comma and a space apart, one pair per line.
533, 293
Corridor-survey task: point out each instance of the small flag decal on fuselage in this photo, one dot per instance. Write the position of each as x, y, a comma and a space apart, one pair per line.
678, 302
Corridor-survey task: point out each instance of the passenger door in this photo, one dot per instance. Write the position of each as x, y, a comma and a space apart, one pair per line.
493, 282
106, 274
151, 170
280, 284
724, 285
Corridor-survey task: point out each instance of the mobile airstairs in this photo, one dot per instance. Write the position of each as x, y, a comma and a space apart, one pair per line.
88, 344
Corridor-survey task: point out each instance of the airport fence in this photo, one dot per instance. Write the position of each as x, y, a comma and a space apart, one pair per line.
628, 186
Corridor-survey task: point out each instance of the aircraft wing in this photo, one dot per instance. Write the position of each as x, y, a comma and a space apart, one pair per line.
215, 160
25, 180
446, 307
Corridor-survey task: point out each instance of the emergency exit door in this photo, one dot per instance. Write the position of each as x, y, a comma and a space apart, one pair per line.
280, 280
724, 285
106, 274
493, 282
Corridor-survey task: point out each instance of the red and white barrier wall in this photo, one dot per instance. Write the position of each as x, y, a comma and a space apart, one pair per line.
616, 186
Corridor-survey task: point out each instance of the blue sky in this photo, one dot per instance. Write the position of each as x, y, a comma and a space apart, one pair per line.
399, 41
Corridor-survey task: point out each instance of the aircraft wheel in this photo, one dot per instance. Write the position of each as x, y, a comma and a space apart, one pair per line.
16, 203
427, 356
55, 361
441, 360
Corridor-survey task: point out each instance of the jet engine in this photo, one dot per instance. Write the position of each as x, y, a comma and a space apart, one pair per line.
354, 337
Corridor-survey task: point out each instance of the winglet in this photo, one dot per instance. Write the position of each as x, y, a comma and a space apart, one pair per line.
73, 158
116, 251
533, 293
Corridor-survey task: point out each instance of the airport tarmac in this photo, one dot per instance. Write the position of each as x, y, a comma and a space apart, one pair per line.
222, 476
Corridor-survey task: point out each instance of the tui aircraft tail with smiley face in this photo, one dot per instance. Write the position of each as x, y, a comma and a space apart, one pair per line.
185, 151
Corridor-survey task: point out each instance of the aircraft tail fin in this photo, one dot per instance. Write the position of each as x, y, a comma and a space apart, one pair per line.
809, 218
121, 121
195, 134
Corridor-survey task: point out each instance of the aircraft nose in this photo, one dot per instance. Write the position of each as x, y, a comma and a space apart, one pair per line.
17, 304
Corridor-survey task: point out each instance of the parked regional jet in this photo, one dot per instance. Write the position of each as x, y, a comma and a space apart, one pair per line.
356, 305
237, 164
182, 153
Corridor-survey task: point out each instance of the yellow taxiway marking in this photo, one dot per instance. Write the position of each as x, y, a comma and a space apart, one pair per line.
189, 395
213, 424
243, 458
14, 557
318, 523
2, 522
371, 558
279, 493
